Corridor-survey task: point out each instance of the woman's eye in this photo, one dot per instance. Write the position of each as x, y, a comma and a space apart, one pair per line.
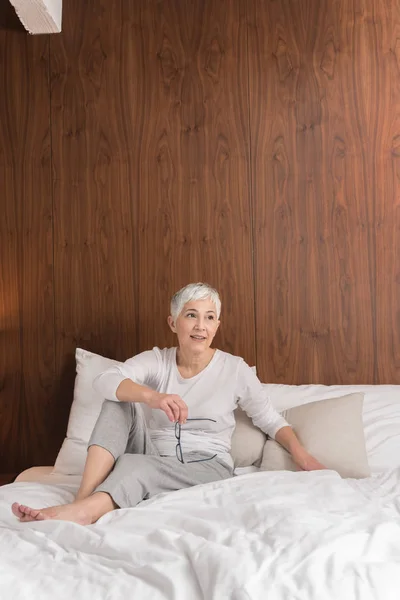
211, 318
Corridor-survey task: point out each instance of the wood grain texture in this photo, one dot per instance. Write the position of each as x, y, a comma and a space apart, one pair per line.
384, 149
310, 67
26, 265
194, 211
153, 143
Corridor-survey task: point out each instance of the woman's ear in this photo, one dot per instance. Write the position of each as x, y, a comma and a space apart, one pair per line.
171, 323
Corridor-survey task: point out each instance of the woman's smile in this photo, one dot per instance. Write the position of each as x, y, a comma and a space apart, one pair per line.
198, 338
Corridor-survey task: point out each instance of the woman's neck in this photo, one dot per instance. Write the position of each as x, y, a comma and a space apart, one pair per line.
190, 364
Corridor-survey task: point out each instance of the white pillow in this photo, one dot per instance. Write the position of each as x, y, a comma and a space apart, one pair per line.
85, 409
381, 415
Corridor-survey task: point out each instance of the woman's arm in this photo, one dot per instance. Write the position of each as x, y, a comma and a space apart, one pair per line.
136, 380
287, 438
256, 403
172, 404
129, 391
143, 369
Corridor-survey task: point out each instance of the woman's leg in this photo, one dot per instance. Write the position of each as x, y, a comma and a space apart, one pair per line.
137, 477
120, 427
83, 512
86, 508
134, 478
99, 464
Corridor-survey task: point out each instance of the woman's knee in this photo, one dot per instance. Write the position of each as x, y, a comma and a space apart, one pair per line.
115, 409
114, 416
127, 460
112, 427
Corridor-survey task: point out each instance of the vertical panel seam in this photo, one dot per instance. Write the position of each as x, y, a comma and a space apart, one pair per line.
135, 217
250, 178
376, 377
52, 209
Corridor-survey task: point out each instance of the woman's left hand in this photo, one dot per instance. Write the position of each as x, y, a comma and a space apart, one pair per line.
288, 439
306, 461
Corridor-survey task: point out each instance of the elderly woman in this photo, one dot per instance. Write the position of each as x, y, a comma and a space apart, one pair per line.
167, 420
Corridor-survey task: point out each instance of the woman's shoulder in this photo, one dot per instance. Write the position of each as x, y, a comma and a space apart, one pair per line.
228, 355
232, 359
244, 375
157, 359
160, 354
165, 355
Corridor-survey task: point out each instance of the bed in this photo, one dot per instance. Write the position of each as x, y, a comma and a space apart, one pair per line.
277, 534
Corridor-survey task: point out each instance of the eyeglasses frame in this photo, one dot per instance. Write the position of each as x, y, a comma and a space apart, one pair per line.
178, 430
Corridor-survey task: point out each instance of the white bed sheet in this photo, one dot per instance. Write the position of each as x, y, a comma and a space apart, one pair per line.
275, 535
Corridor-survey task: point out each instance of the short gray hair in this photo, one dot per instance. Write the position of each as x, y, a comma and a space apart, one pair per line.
194, 291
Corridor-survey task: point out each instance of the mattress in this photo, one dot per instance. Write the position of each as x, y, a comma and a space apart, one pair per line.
41, 474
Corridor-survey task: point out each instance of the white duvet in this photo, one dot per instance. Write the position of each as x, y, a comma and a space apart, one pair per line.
271, 536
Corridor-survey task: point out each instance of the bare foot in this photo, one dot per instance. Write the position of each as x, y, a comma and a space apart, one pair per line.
76, 512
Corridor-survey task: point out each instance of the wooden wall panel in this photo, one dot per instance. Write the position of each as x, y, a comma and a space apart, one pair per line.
158, 142
311, 71
26, 261
382, 45
95, 101
194, 196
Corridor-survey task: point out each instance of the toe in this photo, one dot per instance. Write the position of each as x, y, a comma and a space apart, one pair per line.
26, 519
16, 509
25, 510
33, 514
30, 514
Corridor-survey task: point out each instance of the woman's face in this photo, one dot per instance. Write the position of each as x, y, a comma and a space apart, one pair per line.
196, 326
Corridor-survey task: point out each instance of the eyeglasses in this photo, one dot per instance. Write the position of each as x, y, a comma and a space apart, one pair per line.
178, 448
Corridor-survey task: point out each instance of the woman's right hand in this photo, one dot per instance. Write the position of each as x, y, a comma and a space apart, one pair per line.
172, 404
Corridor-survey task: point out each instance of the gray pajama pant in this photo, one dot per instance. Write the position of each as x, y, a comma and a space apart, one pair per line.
139, 471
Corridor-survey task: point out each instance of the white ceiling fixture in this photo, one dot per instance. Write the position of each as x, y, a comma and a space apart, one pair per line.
39, 16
